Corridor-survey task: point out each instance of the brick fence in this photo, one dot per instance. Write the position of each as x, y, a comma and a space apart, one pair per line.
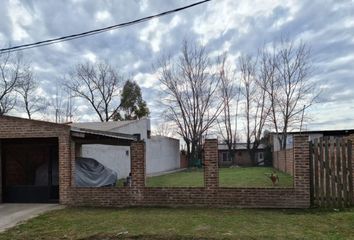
209, 195
139, 195
283, 160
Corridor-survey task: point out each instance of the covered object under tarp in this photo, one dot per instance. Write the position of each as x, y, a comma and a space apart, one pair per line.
91, 173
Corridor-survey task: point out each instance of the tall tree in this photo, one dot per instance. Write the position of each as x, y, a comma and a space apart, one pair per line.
190, 86
132, 105
287, 69
99, 85
256, 110
31, 102
227, 127
12, 70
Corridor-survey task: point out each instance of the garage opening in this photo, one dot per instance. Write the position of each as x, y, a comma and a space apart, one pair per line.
30, 170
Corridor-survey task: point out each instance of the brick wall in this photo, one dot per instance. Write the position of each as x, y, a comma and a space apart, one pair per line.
13, 127
284, 161
139, 195
209, 195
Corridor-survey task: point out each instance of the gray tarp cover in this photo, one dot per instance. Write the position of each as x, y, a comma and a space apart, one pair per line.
90, 173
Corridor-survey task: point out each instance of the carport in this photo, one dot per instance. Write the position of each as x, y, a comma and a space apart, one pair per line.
30, 170
37, 158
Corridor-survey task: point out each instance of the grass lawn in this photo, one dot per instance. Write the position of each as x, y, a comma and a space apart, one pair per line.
186, 223
228, 177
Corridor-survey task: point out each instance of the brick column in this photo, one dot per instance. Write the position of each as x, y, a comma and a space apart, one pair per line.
65, 163
302, 170
138, 165
211, 171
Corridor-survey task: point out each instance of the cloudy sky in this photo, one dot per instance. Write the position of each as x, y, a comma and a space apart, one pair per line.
220, 25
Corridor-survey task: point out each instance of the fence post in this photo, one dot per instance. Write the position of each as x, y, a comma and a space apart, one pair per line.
211, 171
138, 164
302, 169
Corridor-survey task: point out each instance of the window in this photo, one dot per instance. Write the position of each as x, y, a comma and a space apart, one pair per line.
225, 157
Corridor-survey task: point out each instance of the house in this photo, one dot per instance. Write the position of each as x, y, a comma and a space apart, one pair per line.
283, 159
242, 157
37, 158
162, 153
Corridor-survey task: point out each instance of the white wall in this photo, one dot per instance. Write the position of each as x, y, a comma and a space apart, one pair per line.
162, 154
113, 157
141, 127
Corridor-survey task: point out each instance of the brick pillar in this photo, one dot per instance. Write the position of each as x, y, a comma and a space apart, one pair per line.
211, 171
302, 170
138, 164
65, 163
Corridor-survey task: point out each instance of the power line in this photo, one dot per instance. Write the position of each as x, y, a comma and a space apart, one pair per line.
96, 31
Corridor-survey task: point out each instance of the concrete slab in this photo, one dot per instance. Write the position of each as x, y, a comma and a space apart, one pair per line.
12, 214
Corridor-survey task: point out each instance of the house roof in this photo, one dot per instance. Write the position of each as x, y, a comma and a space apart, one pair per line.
324, 132
239, 146
102, 126
90, 136
35, 121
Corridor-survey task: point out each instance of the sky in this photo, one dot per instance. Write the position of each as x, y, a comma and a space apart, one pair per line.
221, 26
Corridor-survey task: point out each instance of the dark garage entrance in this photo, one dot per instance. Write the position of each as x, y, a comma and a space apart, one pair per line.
30, 170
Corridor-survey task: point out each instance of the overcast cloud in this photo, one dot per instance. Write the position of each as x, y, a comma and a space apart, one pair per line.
221, 25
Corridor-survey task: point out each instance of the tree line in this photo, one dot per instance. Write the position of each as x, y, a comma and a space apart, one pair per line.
110, 95
268, 90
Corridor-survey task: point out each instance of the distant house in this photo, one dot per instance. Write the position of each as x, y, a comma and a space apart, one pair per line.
312, 135
283, 160
162, 153
242, 157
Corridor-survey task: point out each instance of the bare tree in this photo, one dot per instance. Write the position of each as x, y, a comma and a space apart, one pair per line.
164, 129
31, 101
227, 127
99, 85
256, 110
12, 70
62, 106
190, 86
287, 70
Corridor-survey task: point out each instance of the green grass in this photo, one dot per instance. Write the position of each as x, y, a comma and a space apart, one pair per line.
252, 177
187, 178
228, 177
186, 223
